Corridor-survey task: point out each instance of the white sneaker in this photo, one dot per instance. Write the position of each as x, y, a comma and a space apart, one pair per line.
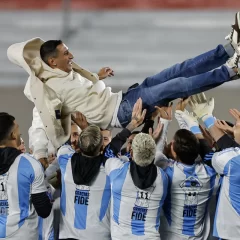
233, 62
234, 35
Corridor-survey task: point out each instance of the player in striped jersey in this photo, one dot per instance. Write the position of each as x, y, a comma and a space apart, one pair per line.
190, 186
85, 197
21, 179
227, 164
138, 192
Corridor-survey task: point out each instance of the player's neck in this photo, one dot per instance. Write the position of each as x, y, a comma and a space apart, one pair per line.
9, 144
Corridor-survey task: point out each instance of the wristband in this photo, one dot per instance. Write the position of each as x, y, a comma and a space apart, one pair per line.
209, 122
195, 130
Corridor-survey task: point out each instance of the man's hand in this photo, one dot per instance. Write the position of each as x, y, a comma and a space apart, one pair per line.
105, 72
44, 162
138, 115
165, 112
190, 121
236, 130
203, 108
80, 120
157, 132
181, 105
221, 124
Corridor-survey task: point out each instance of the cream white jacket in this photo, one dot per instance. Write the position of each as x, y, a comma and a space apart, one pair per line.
57, 94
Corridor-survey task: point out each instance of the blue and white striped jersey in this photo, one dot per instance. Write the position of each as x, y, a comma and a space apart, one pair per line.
85, 210
45, 225
186, 205
227, 217
135, 213
18, 218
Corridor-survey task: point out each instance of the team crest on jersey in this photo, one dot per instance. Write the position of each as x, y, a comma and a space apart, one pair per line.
191, 186
143, 197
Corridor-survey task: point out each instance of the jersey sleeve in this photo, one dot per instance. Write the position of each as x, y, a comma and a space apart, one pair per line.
113, 164
221, 160
63, 154
38, 184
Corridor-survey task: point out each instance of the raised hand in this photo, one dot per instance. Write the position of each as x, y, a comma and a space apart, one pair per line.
165, 112
105, 72
182, 103
138, 115
80, 120
221, 124
157, 132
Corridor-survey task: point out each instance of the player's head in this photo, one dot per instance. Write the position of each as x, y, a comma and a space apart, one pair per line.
130, 140
91, 141
9, 131
107, 137
56, 55
143, 149
185, 147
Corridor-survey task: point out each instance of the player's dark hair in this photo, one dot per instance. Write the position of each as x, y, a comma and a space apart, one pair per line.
49, 49
6, 125
186, 146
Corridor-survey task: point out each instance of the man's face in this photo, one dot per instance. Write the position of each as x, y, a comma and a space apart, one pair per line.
129, 142
22, 147
16, 134
63, 61
75, 133
107, 137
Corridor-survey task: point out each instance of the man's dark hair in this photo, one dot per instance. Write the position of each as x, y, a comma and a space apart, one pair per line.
6, 125
186, 146
49, 49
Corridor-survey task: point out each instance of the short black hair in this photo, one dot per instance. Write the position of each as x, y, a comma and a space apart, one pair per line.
6, 125
49, 49
186, 146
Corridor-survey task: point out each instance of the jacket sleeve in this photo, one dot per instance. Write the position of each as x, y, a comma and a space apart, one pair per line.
38, 137
206, 152
148, 124
113, 148
226, 142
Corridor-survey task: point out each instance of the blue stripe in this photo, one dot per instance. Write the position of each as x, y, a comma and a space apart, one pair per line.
165, 189
63, 160
189, 221
81, 202
195, 130
209, 122
234, 183
51, 236
212, 174
167, 204
105, 199
117, 185
138, 220
25, 177
40, 228
3, 221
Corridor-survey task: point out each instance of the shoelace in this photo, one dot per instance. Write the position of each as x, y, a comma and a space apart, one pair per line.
230, 35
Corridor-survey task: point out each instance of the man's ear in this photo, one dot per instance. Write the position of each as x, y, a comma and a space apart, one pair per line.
131, 153
52, 62
13, 136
